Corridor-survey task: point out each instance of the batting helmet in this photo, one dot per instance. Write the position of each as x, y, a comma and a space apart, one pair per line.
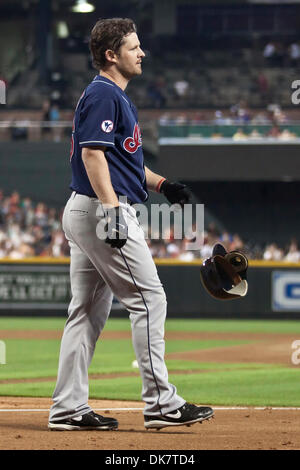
224, 274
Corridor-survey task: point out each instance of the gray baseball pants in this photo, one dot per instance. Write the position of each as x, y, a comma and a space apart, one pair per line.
97, 272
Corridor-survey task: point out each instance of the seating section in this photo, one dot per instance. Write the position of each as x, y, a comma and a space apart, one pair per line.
214, 79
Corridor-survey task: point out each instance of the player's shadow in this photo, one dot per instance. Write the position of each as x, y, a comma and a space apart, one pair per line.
157, 433
25, 427
43, 427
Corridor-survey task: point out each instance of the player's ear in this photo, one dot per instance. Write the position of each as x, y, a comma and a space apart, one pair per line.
110, 56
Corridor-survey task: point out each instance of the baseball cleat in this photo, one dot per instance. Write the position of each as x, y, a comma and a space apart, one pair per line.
185, 416
86, 422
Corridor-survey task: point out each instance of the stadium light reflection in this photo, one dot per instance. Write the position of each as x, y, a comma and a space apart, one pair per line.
82, 6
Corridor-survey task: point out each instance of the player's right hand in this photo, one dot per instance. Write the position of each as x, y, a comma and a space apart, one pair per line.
116, 227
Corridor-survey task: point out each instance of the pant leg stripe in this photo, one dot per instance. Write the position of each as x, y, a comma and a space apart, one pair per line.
148, 331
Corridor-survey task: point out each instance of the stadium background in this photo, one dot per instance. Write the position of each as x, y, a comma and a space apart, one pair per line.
216, 112
215, 106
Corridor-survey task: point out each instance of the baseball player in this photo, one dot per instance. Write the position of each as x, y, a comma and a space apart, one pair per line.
107, 168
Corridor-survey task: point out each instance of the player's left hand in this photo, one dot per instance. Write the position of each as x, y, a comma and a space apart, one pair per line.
176, 193
116, 228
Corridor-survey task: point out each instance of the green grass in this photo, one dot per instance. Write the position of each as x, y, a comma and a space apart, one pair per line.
39, 358
235, 326
31, 323
231, 384
265, 387
123, 324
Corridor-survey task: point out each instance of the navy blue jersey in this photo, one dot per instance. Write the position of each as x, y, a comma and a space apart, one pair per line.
106, 117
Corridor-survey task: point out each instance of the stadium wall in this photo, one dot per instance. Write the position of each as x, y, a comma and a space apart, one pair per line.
39, 170
229, 161
41, 287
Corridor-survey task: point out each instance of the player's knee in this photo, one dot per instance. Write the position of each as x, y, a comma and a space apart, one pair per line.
156, 299
162, 296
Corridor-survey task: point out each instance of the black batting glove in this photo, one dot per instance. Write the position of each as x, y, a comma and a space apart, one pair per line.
116, 228
176, 193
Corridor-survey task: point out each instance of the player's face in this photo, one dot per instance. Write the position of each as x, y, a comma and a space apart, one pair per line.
129, 58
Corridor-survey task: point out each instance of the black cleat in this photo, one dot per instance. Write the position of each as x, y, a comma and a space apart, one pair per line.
86, 422
186, 415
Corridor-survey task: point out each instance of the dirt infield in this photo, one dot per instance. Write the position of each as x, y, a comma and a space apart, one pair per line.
232, 429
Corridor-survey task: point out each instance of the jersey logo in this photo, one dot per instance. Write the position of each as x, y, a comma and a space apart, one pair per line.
131, 144
107, 126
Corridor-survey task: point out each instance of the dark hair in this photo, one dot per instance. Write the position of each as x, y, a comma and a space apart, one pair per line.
108, 34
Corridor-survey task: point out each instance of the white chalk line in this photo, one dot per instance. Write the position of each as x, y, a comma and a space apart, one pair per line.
220, 408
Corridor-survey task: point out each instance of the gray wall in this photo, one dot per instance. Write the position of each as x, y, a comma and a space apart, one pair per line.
230, 162
39, 170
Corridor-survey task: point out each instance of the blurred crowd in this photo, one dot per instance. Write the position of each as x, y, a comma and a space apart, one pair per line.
248, 122
28, 229
189, 248
277, 54
238, 114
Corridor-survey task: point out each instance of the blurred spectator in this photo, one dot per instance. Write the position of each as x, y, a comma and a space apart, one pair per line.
156, 92
261, 118
54, 115
294, 54
206, 250
263, 87
216, 135
273, 253
46, 118
243, 116
219, 118
165, 120
173, 250
57, 243
19, 129
186, 256
278, 116
197, 118
274, 131
28, 211
293, 254
240, 113
181, 88
254, 134
269, 52
41, 216
236, 243
181, 119
287, 135
226, 240
239, 135
212, 232
274, 54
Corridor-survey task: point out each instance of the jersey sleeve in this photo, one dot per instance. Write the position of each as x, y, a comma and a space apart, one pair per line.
97, 123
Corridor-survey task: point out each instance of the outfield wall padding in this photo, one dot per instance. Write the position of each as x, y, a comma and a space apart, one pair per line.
43, 289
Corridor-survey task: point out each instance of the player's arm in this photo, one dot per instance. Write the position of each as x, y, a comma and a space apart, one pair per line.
176, 193
153, 180
98, 173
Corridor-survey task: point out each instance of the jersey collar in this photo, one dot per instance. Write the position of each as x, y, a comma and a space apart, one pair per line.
107, 80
